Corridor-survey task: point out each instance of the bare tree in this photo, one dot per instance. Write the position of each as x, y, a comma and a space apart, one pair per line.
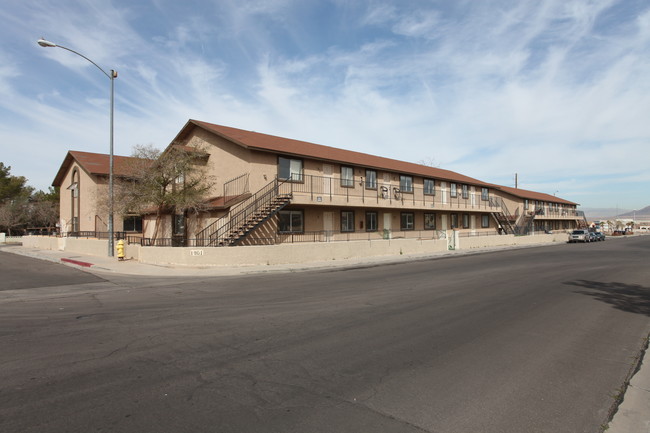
164, 182
429, 162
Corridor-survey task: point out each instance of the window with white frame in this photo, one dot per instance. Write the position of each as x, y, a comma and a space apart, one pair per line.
290, 221
290, 169
347, 177
407, 221
406, 183
347, 221
371, 221
429, 187
371, 179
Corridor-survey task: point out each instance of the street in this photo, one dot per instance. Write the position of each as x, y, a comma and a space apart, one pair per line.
523, 340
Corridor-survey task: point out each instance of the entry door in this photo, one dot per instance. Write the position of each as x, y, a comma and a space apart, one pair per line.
388, 221
328, 224
443, 222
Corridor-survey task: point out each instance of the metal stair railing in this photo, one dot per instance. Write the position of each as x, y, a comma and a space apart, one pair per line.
503, 217
582, 219
219, 232
203, 237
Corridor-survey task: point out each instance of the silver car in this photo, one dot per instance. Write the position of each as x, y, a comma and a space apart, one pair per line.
580, 236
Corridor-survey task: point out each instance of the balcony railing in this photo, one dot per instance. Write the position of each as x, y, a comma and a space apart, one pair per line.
324, 189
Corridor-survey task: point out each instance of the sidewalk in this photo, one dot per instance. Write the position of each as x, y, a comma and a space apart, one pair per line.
632, 416
105, 264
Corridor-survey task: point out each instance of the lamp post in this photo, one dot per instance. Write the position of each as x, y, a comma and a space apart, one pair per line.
112, 76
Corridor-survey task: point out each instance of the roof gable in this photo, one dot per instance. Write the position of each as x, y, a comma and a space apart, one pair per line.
97, 164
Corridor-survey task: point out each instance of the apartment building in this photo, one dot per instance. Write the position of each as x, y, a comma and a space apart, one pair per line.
83, 205
269, 189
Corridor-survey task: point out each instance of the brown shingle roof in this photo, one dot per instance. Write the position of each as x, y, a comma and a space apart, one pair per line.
532, 195
287, 146
93, 163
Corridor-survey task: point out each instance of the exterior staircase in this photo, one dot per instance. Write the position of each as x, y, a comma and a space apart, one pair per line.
581, 220
246, 216
503, 217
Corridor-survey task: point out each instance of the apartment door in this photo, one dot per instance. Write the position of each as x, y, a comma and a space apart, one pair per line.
327, 180
388, 221
328, 224
443, 222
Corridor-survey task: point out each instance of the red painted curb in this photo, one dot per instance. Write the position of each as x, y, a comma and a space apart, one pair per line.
77, 262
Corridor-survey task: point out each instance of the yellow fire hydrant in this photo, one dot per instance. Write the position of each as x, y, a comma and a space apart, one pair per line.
120, 249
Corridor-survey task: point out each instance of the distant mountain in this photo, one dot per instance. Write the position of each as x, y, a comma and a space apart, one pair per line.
645, 212
595, 214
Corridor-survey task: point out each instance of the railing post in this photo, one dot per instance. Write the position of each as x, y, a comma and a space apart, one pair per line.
329, 179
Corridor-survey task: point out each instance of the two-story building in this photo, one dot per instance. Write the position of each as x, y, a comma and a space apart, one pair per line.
269, 189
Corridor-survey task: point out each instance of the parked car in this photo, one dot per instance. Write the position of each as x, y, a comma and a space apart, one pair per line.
579, 236
600, 236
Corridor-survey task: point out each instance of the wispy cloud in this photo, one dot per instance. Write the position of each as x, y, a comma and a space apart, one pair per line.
485, 88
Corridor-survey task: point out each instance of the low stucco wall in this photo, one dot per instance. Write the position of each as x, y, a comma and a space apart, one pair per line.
285, 253
505, 240
288, 253
92, 247
42, 242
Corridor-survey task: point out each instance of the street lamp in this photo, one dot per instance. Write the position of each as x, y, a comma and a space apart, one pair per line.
112, 76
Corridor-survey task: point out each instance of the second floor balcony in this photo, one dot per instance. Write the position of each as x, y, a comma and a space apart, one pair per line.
334, 191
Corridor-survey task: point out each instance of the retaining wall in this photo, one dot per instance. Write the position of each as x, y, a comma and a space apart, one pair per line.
285, 253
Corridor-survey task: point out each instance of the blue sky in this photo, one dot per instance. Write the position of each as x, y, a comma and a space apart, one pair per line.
557, 91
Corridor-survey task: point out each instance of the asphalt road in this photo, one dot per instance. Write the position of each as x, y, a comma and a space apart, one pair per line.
527, 340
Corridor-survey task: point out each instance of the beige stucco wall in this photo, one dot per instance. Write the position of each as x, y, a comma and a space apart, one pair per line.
287, 253
92, 247
93, 202
87, 199
226, 161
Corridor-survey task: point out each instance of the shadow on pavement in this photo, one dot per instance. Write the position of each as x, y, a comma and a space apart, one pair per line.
632, 298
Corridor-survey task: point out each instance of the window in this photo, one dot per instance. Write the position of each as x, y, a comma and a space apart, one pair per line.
290, 169
485, 221
465, 191
347, 221
371, 179
407, 221
429, 187
406, 183
290, 221
179, 225
429, 221
526, 204
454, 220
454, 192
465, 221
347, 177
485, 194
133, 224
371, 221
